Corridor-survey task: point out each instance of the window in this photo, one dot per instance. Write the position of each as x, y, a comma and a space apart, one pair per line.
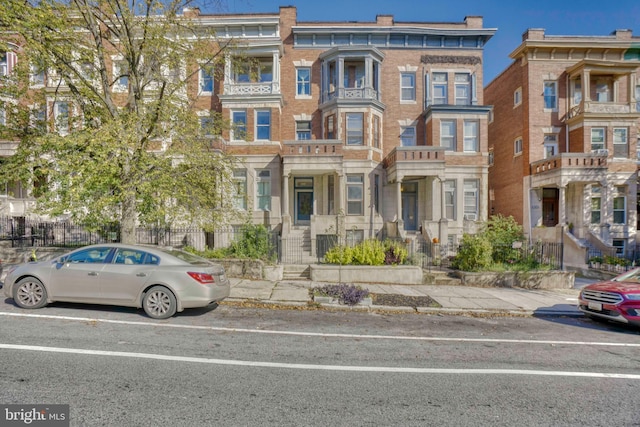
577, 92
331, 190
450, 199
448, 135
303, 81
517, 97
408, 136
3, 115
93, 255
596, 204
330, 127
355, 134
353, 75
471, 199
597, 139
36, 75
470, 136
255, 71
620, 205
239, 125
206, 126
205, 80
603, 91
638, 98
134, 257
61, 117
462, 82
121, 76
38, 119
408, 86
376, 131
439, 88
619, 244
263, 190
240, 189
517, 147
8, 60
491, 157
303, 130
355, 194
263, 125
376, 192
550, 95
550, 145
620, 143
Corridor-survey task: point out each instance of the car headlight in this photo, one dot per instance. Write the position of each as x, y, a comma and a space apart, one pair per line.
633, 297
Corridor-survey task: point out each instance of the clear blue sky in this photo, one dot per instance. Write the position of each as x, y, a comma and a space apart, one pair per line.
511, 18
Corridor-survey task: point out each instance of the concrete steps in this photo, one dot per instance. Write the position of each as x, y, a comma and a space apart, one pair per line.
296, 272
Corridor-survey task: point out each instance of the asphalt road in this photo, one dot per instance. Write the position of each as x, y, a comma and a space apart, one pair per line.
236, 366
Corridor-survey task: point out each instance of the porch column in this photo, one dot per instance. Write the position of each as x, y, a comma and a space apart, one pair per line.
586, 86
562, 206
399, 200
340, 206
285, 195
276, 72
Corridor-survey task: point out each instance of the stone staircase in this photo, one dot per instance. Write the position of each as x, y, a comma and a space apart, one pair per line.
296, 272
442, 278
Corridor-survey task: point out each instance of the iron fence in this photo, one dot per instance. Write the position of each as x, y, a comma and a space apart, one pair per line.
614, 260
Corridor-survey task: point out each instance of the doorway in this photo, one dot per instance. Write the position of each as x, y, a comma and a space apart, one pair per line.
303, 194
410, 205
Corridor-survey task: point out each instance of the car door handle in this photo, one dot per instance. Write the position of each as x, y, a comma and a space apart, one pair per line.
141, 274
93, 273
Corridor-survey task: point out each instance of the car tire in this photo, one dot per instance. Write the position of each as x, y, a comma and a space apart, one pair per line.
30, 293
159, 303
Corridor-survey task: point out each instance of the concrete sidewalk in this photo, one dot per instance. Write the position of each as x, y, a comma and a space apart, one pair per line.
452, 299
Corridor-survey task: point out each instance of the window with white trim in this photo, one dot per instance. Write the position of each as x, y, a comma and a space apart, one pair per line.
462, 86
355, 194
263, 125
205, 80
471, 199
263, 190
254, 70
239, 125
448, 135
550, 95
303, 130
450, 199
596, 204
121, 76
620, 143
550, 145
303, 81
439, 89
517, 147
61, 117
355, 131
36, 75
240, 189
517, 97
638, 98
8, 61
407, 86
597, 139
471, 136
620, 246
408, 136
620, 205
206, 126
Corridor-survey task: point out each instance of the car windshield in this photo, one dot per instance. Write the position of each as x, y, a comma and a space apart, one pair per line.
631, 276
187, 257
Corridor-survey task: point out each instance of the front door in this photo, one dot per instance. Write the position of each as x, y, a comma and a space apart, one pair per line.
550, 207
304, 206
410, 206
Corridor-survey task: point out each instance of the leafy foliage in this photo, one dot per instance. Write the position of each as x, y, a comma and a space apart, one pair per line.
346, 294
254, 242
125, 153
368, 252
474, 253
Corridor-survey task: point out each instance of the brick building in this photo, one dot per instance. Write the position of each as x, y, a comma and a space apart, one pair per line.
564, 140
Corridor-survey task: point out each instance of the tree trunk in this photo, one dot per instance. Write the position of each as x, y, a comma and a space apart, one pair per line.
128, 220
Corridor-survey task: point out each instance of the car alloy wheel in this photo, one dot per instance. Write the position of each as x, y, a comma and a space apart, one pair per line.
159, 303
30, 293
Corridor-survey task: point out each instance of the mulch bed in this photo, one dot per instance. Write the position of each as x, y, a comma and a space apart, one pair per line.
393, 300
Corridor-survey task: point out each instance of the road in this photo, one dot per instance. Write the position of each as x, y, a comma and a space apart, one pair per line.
238, 366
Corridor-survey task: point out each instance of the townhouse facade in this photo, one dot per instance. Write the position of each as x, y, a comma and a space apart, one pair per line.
359, 129
564, 140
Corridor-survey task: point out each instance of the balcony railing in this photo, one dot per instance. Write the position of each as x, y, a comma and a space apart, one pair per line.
413, 154
570, 160
601, 108
360, 93
264, 88
329, 147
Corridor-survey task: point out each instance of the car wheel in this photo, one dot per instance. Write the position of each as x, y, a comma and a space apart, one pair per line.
159, 303
30, 293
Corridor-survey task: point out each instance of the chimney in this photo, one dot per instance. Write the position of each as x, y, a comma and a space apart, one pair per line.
191, 12
384, 20
533, 34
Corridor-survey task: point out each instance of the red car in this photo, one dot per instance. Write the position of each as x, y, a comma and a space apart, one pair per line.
617, 299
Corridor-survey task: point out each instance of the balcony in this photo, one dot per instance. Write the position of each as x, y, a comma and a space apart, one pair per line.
415, 161
313, 148
569, 167
252, 89
595, 107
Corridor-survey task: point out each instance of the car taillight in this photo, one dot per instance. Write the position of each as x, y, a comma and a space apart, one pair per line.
203, 278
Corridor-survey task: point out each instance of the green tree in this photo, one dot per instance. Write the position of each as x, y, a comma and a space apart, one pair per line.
126, 142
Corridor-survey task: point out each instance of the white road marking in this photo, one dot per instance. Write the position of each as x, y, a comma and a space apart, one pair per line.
319, 334
302, 366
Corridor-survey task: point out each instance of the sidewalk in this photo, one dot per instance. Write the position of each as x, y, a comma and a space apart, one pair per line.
452, 299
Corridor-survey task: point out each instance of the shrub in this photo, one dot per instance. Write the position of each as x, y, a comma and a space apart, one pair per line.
339, 255
368, 252
395, 253
474, 253
346, 294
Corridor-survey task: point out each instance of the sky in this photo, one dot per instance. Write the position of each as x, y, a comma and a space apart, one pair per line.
511, 18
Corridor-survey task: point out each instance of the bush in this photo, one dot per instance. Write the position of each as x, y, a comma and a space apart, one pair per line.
474, 253
254, 242
368, 252
346, 294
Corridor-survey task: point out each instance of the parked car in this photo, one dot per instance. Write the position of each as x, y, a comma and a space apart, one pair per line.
617, 299
162, 281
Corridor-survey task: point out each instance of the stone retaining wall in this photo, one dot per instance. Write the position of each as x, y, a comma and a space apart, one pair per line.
397, 275
526, 279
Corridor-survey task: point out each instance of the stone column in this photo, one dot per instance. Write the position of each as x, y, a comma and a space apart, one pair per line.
562, 206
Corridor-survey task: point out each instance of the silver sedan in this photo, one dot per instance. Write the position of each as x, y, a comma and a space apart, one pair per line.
162, 281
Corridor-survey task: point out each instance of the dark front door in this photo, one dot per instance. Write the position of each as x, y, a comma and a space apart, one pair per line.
410, 206
550, 207
304, 205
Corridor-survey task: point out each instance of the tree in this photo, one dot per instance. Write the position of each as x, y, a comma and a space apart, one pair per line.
122, 140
